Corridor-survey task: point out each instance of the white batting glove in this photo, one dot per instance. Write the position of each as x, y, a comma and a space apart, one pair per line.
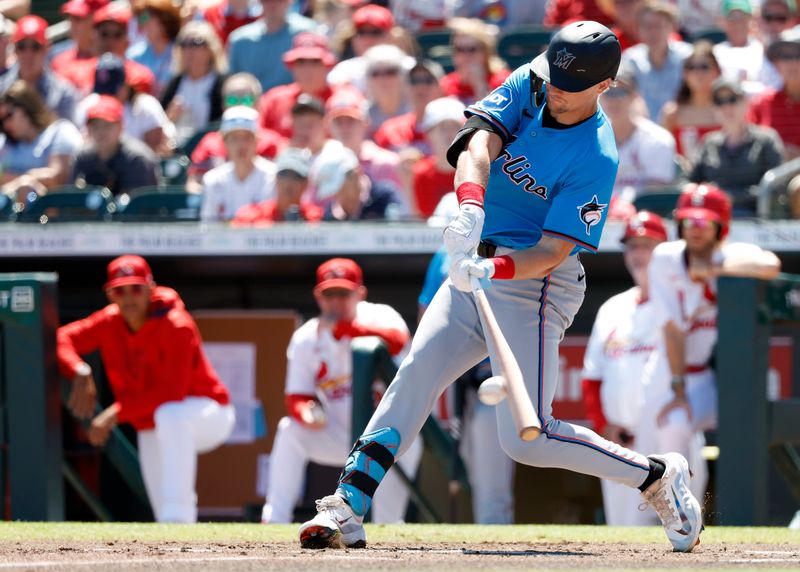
462, 235
483, 270
459, 273
463, 269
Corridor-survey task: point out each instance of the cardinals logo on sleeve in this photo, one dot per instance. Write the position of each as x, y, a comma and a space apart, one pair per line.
590, 213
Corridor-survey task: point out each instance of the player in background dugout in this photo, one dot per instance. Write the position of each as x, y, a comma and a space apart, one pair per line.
161, 379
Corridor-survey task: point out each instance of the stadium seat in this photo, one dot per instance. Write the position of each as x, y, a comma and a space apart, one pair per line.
435, 45
6, 208
711, 34
159, 204
659, 200
192, 142
518, 46
70, 204
175, 169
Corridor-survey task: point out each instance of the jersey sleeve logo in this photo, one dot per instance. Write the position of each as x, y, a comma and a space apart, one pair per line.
498, 100
563, 59
591, 213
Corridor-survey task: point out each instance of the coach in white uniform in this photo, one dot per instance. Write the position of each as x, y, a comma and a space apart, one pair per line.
319, 392
622, 341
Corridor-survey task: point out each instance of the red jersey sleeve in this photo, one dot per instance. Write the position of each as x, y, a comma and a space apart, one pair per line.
79, 338
594, 408
395, 339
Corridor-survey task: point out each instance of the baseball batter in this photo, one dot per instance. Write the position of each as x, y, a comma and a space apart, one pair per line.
622, 343
683, 289
546, 150
319, 396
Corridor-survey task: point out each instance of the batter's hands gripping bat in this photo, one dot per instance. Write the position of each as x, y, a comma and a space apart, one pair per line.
525, 419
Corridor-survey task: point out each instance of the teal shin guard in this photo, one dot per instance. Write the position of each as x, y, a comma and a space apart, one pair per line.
371, 457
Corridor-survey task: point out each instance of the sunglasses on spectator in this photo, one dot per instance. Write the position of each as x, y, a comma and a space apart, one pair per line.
386, 72
775, 17
689, 223
473, 49
698, 67
109, 35
232, 100
422, 80
193, 42
788, 56
617, 92
28, 46
726, 100
129, 290
336, 293
372, 32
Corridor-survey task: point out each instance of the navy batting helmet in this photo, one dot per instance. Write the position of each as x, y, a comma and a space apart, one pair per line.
579, 56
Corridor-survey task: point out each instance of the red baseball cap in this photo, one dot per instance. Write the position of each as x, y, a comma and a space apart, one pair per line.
107, 108
138, 77
82, 8
645, 224
339, 273
113, 13
309, 46
128, 269
346, 103
375, 16
31, 28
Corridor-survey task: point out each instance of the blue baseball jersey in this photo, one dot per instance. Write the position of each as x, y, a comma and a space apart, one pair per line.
547, 181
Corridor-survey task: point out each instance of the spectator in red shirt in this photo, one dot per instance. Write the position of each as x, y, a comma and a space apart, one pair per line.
404, 131
110, 35
309, 61
562, 12
347, 122
239, 89
433, 175
478, 70
781, 109
291, 182
81, 32
162, 381
228, 15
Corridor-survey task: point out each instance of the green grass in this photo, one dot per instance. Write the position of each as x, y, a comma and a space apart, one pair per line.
412, 533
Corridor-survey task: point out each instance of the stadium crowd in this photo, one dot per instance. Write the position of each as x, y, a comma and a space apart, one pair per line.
277, 110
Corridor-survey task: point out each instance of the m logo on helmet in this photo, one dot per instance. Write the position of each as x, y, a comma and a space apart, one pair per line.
563, 59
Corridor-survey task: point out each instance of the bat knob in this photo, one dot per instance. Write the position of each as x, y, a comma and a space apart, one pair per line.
530, 433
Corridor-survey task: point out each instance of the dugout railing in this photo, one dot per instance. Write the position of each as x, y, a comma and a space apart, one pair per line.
753, 430
371, 362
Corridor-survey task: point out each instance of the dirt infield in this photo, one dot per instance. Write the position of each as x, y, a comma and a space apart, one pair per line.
286, 556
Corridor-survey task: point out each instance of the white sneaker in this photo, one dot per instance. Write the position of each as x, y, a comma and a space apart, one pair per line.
795, 523
670, 497
335, 526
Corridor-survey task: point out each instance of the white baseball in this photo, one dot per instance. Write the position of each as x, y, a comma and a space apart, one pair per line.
492, 391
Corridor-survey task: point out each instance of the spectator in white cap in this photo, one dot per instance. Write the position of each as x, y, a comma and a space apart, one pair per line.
246, 178
348, 194
433, 175
387, 67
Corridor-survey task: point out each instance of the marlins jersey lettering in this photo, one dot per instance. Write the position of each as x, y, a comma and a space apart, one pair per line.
319, 364
548, 181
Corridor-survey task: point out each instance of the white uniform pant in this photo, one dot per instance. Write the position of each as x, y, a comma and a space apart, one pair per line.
491, 471
168, 453
295, 445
